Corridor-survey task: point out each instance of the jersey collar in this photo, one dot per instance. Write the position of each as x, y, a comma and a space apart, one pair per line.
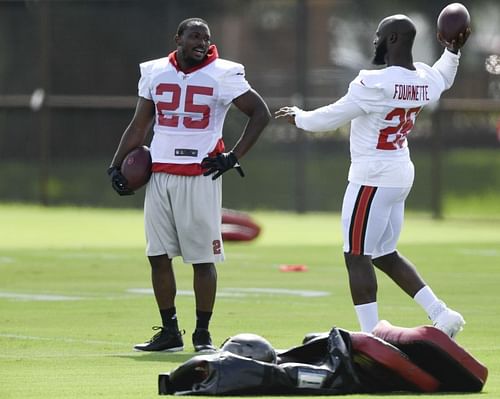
211, 56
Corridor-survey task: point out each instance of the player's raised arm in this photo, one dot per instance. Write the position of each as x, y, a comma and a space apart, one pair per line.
453, 30
453, 27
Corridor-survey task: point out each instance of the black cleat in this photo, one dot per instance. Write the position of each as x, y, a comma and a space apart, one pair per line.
202, 341
168, 339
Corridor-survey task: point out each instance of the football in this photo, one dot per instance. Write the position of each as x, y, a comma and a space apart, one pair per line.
136, 167
453, 20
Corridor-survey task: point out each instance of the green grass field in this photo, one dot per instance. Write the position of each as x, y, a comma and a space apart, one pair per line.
75, 295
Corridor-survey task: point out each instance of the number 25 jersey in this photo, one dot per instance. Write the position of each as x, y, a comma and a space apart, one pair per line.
382, 106
190, 106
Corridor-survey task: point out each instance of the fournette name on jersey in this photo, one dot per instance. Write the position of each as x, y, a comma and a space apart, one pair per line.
411, 92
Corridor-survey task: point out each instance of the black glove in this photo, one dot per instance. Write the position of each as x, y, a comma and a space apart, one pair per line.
118, 181
221, 163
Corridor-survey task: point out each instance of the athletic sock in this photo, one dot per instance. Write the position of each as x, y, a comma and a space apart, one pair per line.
203, 319
169, 317
367, 316
426, 298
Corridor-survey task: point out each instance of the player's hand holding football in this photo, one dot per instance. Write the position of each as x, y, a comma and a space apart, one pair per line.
220, 164
457, 44
118, 181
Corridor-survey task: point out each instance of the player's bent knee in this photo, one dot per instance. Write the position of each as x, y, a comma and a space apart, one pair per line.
386, 260
352, 260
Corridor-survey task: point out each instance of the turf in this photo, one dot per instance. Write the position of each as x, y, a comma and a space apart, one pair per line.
75, 295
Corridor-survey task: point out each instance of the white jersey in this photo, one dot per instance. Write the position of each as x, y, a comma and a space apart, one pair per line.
383, 106
190, 106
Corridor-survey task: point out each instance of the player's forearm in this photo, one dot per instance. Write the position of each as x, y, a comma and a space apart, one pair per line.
136, 132
253, 129
447, 66
329, 117
132, 137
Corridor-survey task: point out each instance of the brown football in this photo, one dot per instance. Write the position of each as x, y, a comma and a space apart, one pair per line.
453, 20
136, 167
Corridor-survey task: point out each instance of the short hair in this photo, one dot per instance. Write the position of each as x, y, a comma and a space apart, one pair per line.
190, 21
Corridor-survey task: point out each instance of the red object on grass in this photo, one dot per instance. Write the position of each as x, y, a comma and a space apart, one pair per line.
455, 368
383, 364
293, 268
238, 226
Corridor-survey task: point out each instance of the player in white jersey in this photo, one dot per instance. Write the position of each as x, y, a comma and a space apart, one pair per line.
185, 98
382, 106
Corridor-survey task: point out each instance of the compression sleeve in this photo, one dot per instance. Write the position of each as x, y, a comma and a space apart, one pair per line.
329, 117
447, 67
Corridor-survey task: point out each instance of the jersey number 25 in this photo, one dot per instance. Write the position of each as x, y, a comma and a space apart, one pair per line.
394, 137
172, 120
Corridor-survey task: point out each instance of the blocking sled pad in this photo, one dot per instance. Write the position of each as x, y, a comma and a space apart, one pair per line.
378, 365
381, 367
437, 354
238, 226
392, 359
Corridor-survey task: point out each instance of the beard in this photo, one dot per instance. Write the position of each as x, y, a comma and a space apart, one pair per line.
380, 52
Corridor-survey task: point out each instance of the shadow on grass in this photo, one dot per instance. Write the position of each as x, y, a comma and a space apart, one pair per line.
171, 357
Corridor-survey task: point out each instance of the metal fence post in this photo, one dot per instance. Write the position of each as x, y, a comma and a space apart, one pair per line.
436, 166
302, 82
44, 114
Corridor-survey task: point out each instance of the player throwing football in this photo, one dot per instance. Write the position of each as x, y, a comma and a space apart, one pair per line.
383, 106
185, 98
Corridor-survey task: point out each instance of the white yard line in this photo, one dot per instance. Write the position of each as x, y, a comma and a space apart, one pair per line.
68, 355
243, 292
65, 340
39, 297
222, 293
479, 252
280, 291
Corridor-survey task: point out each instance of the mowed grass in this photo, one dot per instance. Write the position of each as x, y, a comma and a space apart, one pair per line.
75, 295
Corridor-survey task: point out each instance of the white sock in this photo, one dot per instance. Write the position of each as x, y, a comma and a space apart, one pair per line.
367, 316
426, 298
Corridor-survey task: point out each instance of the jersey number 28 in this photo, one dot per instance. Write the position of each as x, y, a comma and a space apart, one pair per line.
189, 106
393, 137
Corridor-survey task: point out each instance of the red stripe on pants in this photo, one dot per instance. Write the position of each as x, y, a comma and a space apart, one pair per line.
358, 230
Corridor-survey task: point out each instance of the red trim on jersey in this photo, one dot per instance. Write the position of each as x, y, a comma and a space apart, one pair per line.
359, 219
187, 169
211, 56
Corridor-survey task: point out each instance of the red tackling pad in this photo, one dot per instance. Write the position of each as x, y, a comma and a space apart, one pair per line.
238, 226
382, 367
437, 354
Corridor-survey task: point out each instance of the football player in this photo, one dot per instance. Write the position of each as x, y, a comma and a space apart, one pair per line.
185, 97
382, 106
